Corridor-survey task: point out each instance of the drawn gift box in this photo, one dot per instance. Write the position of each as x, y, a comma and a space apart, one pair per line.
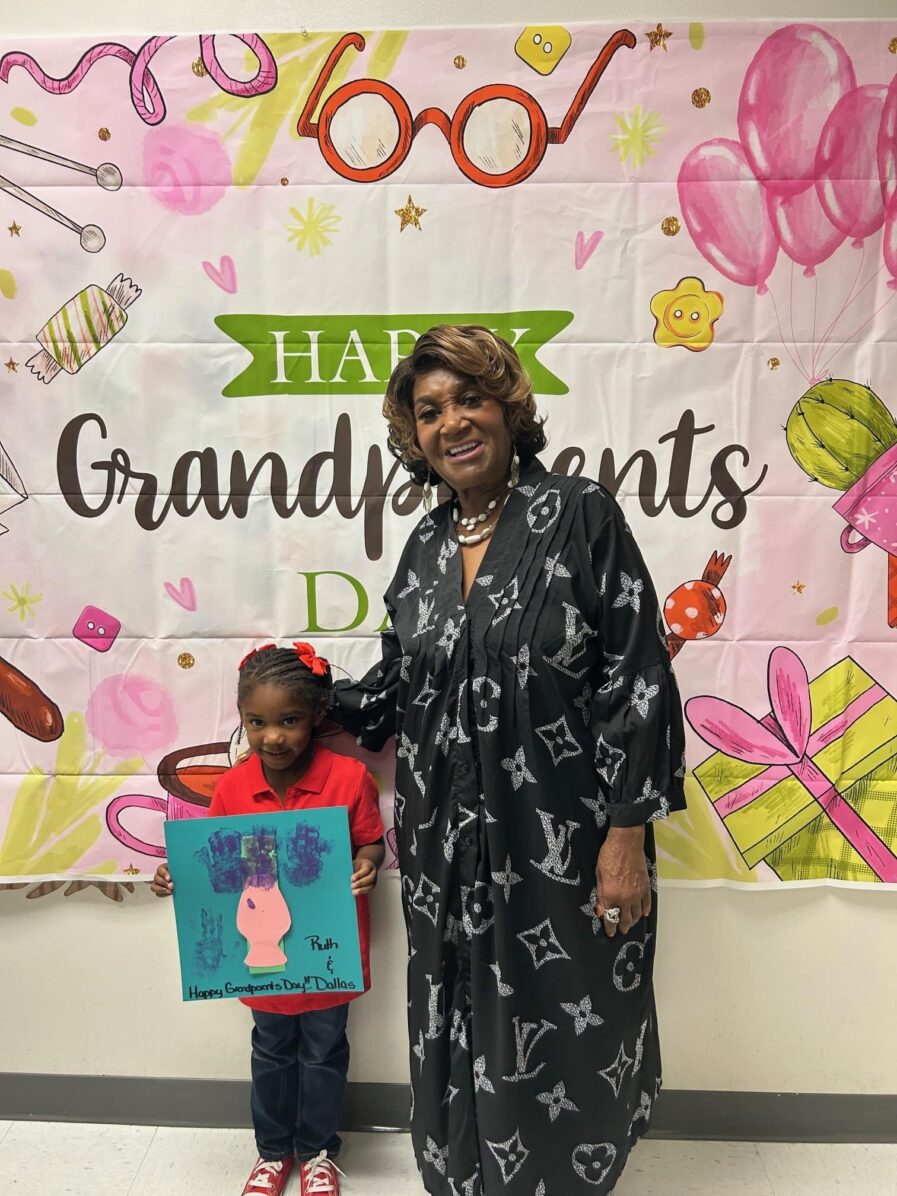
810, 788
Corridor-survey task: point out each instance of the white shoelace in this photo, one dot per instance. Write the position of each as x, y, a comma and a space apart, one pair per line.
319, 1174
264, 1172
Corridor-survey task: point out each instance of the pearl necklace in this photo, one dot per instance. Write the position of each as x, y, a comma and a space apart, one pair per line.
473, 521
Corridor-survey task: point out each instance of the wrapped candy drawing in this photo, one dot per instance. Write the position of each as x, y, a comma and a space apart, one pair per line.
696, 609
809, 787
82, 327
842, 435
12, 488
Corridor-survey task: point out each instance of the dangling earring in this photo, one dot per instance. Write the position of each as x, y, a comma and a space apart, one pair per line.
515, 471
428, 495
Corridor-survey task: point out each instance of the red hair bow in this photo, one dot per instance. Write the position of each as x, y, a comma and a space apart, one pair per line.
311, 659
249, 655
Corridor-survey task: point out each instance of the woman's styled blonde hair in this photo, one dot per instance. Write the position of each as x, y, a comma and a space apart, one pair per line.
486, 360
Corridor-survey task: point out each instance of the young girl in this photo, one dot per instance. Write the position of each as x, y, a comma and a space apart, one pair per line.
300, 1052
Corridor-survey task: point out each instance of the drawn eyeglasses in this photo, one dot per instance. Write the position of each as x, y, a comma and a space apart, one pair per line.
498, 134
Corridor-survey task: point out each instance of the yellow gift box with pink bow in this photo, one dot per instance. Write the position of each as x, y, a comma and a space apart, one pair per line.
811, 787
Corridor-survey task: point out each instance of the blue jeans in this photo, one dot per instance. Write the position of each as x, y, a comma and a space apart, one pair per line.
300, 1063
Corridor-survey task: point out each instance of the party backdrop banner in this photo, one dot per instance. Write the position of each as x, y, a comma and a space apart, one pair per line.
213, 251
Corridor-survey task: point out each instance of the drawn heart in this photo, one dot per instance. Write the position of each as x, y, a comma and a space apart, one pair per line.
184, 594
585, 249
223, 275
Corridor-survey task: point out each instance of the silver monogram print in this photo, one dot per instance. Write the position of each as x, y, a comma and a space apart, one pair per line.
630, 592
516, 766
573, 651
559, 842
528, 1035
527, 719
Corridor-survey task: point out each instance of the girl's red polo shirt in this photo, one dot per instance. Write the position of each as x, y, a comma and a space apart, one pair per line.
329, 780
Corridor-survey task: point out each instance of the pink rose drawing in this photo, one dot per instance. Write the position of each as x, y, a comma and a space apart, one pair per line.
186, 170
131, 714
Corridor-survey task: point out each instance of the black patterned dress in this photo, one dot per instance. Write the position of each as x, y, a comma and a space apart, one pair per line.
528, 720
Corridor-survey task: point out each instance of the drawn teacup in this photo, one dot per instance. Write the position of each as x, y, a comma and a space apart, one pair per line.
188, 776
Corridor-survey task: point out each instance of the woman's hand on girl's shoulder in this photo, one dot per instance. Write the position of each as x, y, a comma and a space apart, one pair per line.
162, 884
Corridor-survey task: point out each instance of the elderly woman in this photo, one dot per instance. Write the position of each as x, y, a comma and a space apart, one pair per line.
539, 734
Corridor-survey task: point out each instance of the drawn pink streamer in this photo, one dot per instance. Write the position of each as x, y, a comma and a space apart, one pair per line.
791, 85
782, 739
146, 95
846, 169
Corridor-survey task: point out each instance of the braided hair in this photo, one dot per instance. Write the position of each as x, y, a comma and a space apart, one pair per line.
285, 667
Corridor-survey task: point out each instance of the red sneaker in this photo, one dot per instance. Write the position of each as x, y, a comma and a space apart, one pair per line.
319, 1176
269, 1177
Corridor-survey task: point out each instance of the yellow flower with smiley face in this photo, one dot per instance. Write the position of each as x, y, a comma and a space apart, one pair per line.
686, 315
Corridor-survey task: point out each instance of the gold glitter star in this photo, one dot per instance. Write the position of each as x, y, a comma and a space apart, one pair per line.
670, 226
410, 214
131, 870
773, 363
199, 68
12, 366
799, 587
186, 660
658, 37
14, 229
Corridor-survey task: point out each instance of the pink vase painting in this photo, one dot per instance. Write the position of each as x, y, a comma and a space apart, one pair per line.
263, 917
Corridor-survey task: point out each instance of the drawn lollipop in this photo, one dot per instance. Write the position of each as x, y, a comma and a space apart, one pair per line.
841, 434
696, 609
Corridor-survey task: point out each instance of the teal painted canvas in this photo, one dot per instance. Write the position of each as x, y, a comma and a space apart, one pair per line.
263, 904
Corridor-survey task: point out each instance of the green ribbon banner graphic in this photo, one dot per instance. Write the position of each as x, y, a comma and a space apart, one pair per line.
326, 355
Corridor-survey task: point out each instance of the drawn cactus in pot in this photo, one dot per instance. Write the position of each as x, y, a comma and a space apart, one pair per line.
842, 435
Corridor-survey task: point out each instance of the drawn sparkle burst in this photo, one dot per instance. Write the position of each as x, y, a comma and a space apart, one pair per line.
22, 601
638, 135
314, 227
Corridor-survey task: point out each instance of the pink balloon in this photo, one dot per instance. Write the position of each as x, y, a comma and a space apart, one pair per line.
803, 229
793, 82
887, 144
846, 167
889, 241
725, 210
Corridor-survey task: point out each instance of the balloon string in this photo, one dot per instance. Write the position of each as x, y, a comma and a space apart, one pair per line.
864, 287
791, 310
826, 336
782, 335
813, 355
868, 320
793, 336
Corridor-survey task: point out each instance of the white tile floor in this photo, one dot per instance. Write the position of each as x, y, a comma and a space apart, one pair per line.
61, 1159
